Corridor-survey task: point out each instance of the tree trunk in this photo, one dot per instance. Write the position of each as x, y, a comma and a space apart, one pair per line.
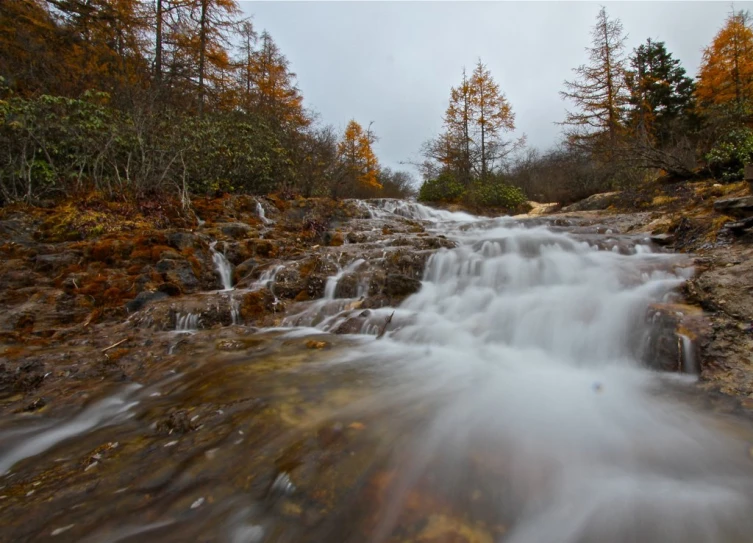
202, 52
158, 45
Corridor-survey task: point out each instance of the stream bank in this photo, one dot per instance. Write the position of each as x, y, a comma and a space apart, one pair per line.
324, 387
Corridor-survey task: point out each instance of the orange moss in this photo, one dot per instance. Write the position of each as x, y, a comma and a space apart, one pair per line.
112, 296
116, 354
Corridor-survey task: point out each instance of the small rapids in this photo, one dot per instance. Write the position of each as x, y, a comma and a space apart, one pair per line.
508, 400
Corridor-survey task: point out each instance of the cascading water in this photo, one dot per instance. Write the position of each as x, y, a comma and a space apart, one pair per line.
261, 213
224, 268
505, 401
186, 322
525, 344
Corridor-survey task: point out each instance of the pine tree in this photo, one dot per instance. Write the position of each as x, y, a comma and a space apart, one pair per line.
599, 91
660, 91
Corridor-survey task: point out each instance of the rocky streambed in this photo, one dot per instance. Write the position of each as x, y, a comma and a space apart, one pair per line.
366, 371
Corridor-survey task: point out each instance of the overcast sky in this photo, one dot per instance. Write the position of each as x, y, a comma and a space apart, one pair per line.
393, 63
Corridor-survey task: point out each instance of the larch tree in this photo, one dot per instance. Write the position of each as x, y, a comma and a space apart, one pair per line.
599, 91
476, 118
491, 116
28, 36
273, 93
105, 43
725, 78
213, 20
454, 146
360, 164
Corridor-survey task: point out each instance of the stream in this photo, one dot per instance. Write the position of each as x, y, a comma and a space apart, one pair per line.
508, 400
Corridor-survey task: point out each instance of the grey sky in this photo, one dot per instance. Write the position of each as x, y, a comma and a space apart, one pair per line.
394, 62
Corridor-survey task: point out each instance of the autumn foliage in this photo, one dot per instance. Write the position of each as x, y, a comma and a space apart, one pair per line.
184, 96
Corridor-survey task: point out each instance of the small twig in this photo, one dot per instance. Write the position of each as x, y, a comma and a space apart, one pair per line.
384, 328
114, 345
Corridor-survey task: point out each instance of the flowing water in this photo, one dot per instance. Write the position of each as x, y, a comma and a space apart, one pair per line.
224, 268
507, 400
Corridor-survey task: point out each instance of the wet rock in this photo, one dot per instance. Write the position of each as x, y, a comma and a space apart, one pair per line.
735, 207
243, 270
669, 323
170, 289
315, 285
739, 227
56, 262
663, 239
143, 298
178, 422
181, 240
36, 405
401, 285
235, 230
347, 286
594, 202
16, 230
178, 272
236, 252
256, 306
354, 323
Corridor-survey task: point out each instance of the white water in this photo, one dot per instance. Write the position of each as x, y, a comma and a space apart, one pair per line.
261, 213
21, 444
525, 346
224, 268
380, 208
186, 322
331, 285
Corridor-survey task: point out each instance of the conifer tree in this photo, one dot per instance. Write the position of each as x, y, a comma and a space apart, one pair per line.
599, 91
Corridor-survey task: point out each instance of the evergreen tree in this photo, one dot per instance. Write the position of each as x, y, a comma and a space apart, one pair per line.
660, 91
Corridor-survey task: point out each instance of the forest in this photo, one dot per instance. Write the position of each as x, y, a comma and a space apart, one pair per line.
179, 97
187, 97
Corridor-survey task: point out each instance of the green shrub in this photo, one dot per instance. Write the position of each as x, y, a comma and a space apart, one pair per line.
728, 157
497, 194
444, 188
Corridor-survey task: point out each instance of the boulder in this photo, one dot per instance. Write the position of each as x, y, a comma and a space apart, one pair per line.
735, 207
243, 270
235, 230
143, 299
663, 239
181, 240
178, 272
401, 285
595, 202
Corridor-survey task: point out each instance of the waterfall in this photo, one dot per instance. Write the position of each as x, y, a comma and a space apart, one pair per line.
524, 348
689, 363
188, 322
331, 285
224, 268
261, 213
385, 207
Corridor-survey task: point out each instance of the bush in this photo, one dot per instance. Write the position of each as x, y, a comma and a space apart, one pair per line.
444, 188
728, 157
497, 194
